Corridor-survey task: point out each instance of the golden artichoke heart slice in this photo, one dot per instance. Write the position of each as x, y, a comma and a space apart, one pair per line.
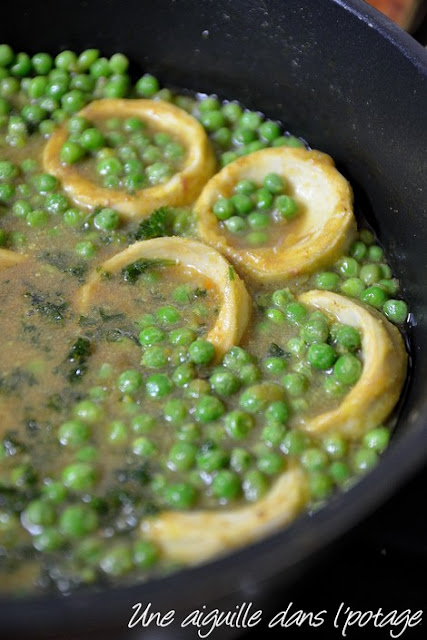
181, 189
326, 222
10, 258
384, 357
196, 536
235, 303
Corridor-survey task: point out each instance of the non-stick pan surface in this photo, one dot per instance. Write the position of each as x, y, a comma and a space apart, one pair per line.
352, 84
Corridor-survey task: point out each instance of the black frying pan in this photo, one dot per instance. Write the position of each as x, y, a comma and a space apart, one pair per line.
353, 85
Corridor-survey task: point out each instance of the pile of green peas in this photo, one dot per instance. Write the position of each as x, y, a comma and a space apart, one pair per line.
236, 132
125, 154
321, 357
364, 274
252, 210
39, 205
38, 92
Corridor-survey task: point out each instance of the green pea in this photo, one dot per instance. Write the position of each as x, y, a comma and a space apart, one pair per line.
226, 485
107, 219
242, 203
119, 63
129, 381
275, 315
339, 472
315, 330
321, 356
232, 111
390, 286
374, 296
370, 274
33, 114
118, 560
347, 369
348, 337
184, 374
240, 460
211, 460
274, 183
9, 87
286, 206
155, 357
212, 120
86, 59
277, 412
375, 253
352, 287
147, 86
282, 297
326, 280
39, 513
269, 131
335, 446
256, 238
71, 152
175, 410
396, 311
209, 408
348, 267
258, 220
73, 433
144, 447
295, 383
7, 191
273, 434
55, 492
275, 365
6, 55
228, 157
254, 485
386, 271
73, 101
87, 454
238, 424
249, 374
92, 139
56, 203
295, 313
236, 224
151, 335
180, 495
320, 485
74, 218
294, 442
258, 396
182, 456
270, 463
263, 199
50, 539
158, 385
210, 103
224, 382
367, 236
364, 460
359, 250
88, 411
201, 351
314, 459
80, 476
21, 66
168, 315
145, 554
5, 107
377, 439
